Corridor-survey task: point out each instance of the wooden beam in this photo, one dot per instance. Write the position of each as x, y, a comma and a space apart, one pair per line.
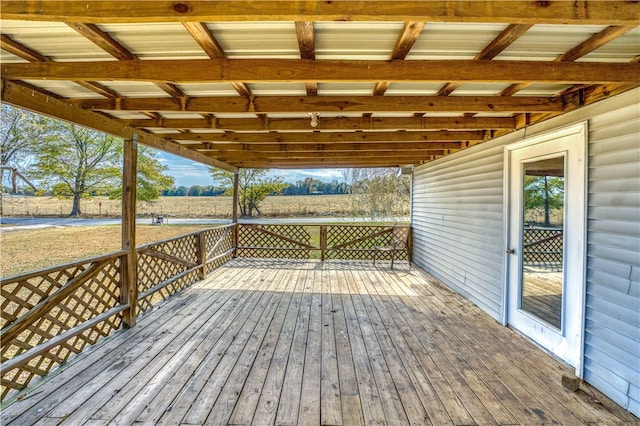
490, 51
410, 33
334, 163
334, 104
129, 263
329, 123
314, 138
204, 37
529, 12
216, 148
236, 156
293, 70
589, 45
33, 100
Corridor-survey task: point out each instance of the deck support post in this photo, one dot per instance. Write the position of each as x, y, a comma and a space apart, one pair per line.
323, 242
129, 265
201, 253
236, 185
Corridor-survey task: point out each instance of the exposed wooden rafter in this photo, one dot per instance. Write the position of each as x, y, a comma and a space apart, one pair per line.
306, 42
493, 49
203, 36
288, 70
592, 43
551, 12
410, 33
107, 43
24, 52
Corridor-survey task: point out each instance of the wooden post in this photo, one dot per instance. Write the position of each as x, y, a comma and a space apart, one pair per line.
129, 269
236, 184
323, 242
201, 252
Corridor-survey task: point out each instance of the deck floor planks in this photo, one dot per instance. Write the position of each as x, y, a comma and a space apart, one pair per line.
267, 341
391, 402
372, 409
330, 392
258, 351
411, 403
309, 409
177, 388
285, 401
236, 338
512, 357
448, 358
266, 373
351, 404
134, 386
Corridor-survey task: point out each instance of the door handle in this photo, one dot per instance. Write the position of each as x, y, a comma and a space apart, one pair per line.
511, 251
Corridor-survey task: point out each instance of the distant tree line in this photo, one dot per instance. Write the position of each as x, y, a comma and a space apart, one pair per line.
311, 186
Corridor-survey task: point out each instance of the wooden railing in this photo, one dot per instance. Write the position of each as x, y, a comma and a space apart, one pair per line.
52, 314
356, 242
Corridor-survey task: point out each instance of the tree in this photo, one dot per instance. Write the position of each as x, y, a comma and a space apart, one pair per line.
20, 131
543, 193
253, 187
76, 161
378, 192
151, 181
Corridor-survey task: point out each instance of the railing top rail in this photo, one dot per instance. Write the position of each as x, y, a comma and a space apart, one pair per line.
155, 243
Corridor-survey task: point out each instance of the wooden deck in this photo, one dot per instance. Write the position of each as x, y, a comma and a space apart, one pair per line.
298, 342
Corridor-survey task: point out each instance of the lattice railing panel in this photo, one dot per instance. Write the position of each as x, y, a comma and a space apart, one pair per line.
274, 241
162, 262
359, 242
44, 305
218, 244
543, 247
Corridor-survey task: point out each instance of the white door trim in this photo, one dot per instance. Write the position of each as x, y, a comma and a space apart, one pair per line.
577, 198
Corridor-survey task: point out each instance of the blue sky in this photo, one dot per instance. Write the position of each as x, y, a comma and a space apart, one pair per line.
188, 173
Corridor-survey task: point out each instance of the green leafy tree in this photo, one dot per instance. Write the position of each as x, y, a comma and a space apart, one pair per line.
253, 187
378, 192
151, 180
543, 193
76, 161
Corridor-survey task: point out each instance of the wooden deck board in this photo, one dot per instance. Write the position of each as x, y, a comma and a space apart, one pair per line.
296, 342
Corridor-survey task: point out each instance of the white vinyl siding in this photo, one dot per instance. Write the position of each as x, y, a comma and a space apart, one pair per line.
458, 229
458, 224
612, 326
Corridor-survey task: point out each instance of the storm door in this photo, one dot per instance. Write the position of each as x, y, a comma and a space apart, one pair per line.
546, 241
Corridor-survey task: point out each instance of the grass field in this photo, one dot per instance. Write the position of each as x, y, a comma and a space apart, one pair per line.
32, 249
185, 207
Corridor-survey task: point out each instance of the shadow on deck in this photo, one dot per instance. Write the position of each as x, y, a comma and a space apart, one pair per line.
307, 342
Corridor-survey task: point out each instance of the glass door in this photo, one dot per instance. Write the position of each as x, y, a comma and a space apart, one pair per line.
546, 241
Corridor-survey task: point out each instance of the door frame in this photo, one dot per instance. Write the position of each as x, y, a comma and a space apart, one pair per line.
579, 224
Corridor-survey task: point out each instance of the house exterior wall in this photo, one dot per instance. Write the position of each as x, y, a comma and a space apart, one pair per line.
458, 215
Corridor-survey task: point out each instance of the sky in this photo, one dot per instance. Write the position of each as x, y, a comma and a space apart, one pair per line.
188, 173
